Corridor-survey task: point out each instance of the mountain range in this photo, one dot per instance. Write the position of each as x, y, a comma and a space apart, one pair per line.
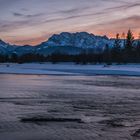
64, 43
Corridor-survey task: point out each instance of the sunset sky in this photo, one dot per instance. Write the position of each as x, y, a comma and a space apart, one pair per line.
33, 21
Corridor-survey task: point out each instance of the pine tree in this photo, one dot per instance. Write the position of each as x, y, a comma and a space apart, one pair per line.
116, 50
117, 44
137, 50
106, 55
138, 44
123, 37
129, 40
129, 46
14, 57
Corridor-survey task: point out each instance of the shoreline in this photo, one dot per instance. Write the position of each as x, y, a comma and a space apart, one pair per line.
70, 69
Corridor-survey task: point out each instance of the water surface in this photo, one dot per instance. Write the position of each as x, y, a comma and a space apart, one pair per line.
108, 107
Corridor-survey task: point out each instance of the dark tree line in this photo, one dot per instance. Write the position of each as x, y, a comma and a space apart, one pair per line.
126, 50
14, 58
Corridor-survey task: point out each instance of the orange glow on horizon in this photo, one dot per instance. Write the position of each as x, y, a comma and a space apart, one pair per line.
36, 41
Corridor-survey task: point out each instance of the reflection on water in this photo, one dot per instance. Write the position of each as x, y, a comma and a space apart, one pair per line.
106, 107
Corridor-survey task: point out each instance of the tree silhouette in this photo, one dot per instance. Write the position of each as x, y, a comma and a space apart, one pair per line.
129, 46
116, 50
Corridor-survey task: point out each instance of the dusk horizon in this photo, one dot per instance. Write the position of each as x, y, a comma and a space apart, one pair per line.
121, 36
32, 22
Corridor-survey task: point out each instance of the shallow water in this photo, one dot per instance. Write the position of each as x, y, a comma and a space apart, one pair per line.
108, 107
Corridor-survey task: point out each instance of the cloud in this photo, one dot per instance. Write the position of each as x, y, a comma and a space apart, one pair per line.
76, 12
27, 15
69, 17
15, 25
125, 7
26, 20
121, 25
132, 21
18, 14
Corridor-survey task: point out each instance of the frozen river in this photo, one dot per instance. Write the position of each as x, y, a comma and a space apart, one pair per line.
39, 107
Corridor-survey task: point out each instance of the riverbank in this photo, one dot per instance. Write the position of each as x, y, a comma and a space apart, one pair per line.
69, 69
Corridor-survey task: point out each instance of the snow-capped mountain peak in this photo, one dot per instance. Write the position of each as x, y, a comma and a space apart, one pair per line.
79, 39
